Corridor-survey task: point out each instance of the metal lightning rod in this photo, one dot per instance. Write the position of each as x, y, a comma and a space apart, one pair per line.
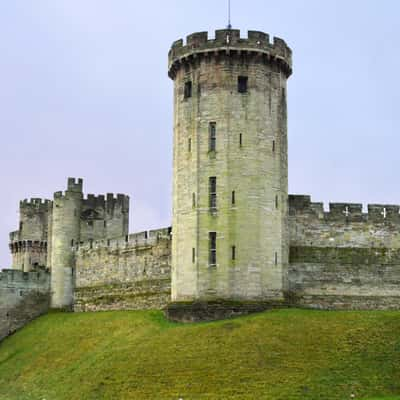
229, 15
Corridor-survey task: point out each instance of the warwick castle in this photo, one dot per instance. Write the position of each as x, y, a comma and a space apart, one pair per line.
238, 243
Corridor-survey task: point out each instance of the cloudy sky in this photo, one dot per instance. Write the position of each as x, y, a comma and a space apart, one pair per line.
84, 92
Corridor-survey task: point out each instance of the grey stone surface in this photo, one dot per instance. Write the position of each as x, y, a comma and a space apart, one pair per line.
23, 297
128, 273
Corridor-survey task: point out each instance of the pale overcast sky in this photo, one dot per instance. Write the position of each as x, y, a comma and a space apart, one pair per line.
84, 92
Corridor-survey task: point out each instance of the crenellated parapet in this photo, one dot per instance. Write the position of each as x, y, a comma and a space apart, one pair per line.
75, 185
35, 204
140, 239
229, 42
301, 205
107, 203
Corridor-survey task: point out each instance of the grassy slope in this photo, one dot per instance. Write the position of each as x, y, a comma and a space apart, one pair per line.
282, 354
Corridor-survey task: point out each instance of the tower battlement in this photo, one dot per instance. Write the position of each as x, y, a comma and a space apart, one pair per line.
109, 201
75, 185
228, 41
35, 203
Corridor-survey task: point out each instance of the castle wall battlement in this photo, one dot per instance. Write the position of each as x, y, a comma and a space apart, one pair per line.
75, 185
108, 202
35, 203
344, 258
301, 205
229, 41
140, 239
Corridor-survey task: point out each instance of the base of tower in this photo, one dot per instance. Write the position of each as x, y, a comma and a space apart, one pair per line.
199, 311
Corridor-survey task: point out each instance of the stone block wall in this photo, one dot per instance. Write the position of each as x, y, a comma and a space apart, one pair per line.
344, 258
127, 273
23, 297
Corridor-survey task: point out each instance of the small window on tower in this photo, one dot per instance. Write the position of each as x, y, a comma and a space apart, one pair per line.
242, 84
90, 223
189, 145
212, 183
233, 198
233, 252
276, 202
188, 89
193, 200
240, 140
273, 146
21, 225
212, 136
193, 255
212, 248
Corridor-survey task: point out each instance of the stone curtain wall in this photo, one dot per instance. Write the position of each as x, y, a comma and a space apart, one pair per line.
343, 258
128, 273
23, 297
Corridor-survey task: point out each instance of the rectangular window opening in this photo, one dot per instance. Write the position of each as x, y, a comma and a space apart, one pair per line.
276, 258
213, 192
240, 140
233, 198
188, 89
193, 200
276, 202
105, 224
233, 253
193, 255
212, 248
242, 84
190, 145
273, 146
212, 136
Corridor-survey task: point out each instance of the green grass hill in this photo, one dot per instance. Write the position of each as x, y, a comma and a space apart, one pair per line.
281, 354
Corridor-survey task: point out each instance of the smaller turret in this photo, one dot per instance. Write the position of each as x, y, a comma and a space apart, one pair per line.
65, 233
28, 244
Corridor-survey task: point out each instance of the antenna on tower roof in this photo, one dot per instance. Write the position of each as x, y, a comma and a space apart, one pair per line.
229, 15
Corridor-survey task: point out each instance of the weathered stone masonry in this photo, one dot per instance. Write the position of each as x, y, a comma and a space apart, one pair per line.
339, 259
344, 258
132, 272
23, 297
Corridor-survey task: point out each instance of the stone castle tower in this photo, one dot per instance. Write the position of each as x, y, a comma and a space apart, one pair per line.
50, 232
230, 179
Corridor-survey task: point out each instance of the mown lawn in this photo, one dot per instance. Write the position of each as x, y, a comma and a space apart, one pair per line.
281, 354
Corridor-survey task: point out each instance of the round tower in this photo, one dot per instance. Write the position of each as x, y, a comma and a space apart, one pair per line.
65, 234
230, 185
28, 245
